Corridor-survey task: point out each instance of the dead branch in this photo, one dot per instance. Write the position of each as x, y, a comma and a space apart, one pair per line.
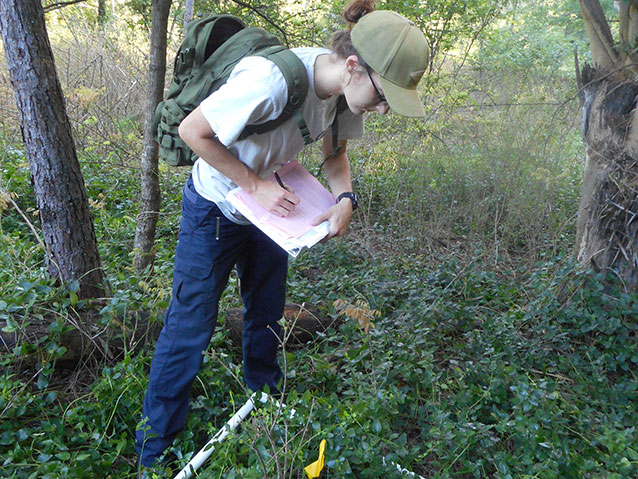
265, 17
579, 79
603, 51
56, 6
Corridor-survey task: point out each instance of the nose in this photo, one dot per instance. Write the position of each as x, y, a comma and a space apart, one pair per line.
383, 108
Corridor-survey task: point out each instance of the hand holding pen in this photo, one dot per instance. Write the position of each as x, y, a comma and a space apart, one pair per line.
281, 183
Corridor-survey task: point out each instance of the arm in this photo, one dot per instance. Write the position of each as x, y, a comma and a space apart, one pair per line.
338, 176
199, 136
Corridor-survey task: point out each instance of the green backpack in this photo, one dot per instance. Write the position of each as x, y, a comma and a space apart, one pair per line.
211, 48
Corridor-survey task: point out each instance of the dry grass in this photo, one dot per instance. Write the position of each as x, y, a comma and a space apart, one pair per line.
103, 74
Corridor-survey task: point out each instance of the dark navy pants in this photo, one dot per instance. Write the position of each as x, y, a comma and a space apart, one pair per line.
209, 246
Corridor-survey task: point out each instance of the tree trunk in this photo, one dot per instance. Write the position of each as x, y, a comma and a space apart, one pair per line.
607, 220
150, 189
101, 12
188, 13
303, 324
607, 228
126, 334
67, 226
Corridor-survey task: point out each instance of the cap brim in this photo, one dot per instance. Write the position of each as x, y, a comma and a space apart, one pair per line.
403, 101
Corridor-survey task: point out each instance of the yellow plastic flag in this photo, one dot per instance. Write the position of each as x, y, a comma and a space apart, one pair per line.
314, 469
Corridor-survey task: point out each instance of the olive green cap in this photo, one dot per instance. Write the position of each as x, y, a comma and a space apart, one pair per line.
397, 50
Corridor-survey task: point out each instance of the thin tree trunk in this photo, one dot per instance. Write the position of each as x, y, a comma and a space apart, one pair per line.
188, 13
101, 12
150, 189
67, 226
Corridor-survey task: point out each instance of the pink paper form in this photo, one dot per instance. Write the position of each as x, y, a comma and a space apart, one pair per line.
315, 199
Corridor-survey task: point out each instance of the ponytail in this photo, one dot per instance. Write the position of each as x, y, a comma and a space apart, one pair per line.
355, 10
341, 42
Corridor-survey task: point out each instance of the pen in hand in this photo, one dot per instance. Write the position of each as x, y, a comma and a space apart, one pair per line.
286, 187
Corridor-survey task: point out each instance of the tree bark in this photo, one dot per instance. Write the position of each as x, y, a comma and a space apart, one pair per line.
607, 224
150, 190
67, 226
607, 233
303, 324
125, 334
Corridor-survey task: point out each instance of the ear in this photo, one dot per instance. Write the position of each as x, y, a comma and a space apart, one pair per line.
352, 62
350, 68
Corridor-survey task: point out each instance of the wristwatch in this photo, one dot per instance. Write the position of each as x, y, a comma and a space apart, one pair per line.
352, 196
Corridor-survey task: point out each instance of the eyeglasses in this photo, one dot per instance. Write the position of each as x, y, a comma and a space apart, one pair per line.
379, 95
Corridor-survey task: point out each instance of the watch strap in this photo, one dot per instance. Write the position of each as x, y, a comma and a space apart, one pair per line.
351, 196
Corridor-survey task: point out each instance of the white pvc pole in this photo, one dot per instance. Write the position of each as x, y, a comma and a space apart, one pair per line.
403, 470
208, 449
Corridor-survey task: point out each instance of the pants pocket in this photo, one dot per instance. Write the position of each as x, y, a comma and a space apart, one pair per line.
194, 301
198, 213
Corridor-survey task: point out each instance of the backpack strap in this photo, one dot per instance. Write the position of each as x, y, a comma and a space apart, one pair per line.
342, 105
296, 77
303, 128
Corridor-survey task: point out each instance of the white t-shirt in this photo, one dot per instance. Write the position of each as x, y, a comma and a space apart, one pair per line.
256, 92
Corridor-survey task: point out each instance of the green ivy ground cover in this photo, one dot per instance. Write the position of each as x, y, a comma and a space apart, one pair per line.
464, 374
